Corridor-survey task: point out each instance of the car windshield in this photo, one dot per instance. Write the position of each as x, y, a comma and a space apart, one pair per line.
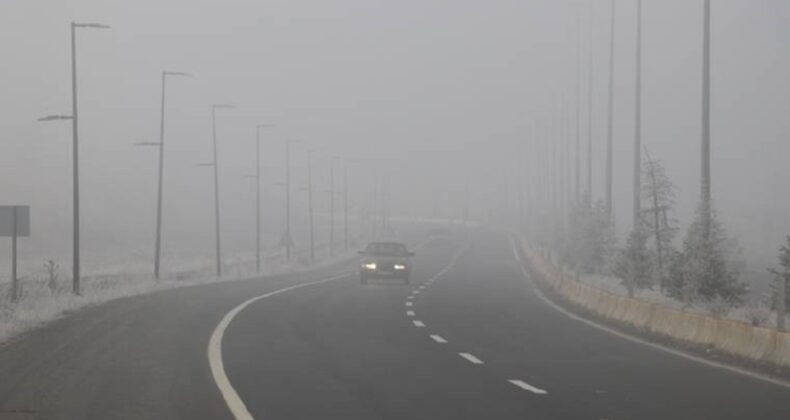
385, 249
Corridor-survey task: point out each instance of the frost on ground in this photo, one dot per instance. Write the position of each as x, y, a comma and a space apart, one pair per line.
756, 313
41, 300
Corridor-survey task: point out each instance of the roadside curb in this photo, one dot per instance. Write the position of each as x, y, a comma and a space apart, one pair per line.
690, 335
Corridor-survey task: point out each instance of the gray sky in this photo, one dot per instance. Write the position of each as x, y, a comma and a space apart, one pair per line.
437, 82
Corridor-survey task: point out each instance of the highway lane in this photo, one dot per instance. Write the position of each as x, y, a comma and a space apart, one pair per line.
343, 350
142, 357
469, 339
486, 306
475, 343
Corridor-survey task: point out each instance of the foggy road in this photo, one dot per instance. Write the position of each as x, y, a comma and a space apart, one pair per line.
468, 339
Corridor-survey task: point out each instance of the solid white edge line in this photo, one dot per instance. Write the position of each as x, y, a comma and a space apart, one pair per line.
527, 387
229, 394
471, 358
418, 323
438, 338
634, 339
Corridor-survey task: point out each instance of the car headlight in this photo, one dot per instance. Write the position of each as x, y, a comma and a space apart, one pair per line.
399, 267
370, 266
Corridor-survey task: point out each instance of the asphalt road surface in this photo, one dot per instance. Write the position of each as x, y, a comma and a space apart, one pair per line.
468, 339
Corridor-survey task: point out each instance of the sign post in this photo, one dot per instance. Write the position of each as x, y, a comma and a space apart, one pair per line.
14, 222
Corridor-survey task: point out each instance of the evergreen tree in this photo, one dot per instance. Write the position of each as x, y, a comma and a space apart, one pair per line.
676, 283
706, 273
783, 274
634, 264
591, 240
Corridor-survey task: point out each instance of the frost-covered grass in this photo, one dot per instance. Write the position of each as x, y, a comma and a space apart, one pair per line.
38, 303
754, 312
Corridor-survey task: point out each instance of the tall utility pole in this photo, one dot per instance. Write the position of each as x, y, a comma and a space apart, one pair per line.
287, 237
577, 170
556, 182
705, 164
385, 204
158, 241
563, 149
466, 200
345, 207
310, 204
332, 206
610, 122
638, 123
375, 220
590, 110
75, 152
258, 195
217, 230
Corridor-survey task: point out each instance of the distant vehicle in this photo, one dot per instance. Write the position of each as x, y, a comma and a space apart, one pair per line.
440, 231
385, 260
440, 236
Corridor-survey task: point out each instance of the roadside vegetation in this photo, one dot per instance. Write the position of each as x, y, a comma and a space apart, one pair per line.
699, 270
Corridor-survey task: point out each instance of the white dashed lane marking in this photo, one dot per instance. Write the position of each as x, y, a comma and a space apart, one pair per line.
409, 303
438, 338
409, 313
471, 358
527, 387
418, 323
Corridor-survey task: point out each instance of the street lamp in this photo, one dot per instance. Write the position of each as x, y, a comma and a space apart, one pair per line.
160, 144
55, 118
287, 238
310, 204
638, 119
215, 165
158, 244
345, 207
75, 150
332, 205
258, 195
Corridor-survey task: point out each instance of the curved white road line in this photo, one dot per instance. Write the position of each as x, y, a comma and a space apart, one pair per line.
232, 399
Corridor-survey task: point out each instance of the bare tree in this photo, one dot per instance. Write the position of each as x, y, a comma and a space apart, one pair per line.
52, 274
659, 192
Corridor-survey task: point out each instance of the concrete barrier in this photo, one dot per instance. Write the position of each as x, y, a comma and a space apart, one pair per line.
728, 336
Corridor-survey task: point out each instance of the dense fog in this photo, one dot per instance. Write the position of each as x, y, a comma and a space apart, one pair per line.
448, 102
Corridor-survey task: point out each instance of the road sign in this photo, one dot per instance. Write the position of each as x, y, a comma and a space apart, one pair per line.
14, 222
11, 216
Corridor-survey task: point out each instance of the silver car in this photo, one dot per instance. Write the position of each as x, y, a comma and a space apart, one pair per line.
385, 260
